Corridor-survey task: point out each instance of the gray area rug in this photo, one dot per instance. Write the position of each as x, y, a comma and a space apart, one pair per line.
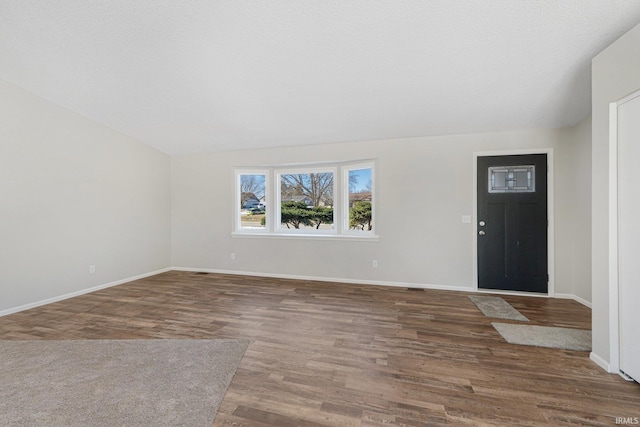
497, 307
115, 382
545, 336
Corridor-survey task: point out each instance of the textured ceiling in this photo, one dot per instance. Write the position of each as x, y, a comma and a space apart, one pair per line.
205, 75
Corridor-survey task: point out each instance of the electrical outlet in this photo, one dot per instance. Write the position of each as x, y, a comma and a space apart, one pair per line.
233, 255
374, 263
92, 269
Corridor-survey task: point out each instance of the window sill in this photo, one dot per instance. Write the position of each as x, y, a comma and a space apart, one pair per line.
355, 237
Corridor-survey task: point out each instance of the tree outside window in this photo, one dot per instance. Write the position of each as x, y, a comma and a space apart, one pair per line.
360, 199
307, 200
253, 208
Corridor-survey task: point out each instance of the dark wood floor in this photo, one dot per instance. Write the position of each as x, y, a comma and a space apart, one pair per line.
328, 354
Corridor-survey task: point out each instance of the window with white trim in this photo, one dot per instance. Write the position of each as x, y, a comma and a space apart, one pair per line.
359, 197
251, 197
335, 199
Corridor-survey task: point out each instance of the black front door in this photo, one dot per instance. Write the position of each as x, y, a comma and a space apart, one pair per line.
512, 222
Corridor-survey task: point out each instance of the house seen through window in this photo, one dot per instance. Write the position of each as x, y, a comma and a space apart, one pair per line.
252, 201
360, 199
306, 200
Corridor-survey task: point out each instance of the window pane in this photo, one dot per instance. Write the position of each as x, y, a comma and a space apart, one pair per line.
360, 200
307, 201
512, 179
252, 201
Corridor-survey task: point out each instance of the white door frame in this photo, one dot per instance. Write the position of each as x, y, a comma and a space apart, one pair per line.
550, 215
614, 315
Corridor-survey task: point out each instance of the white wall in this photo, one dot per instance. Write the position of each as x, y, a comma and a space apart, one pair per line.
424, 185
573, 211
74, 193
616, 73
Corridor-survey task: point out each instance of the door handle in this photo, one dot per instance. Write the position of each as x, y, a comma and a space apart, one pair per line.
481, 232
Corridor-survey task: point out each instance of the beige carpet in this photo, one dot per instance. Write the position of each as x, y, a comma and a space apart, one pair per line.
115, 382
545, 336
497, 307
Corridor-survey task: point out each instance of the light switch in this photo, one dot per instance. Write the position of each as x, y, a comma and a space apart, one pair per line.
466, 219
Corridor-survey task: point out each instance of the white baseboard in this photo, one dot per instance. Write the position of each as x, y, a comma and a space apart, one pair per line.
575, 298
80, 292
582, 301
381, 283
329, 279
600, 362
288, 276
